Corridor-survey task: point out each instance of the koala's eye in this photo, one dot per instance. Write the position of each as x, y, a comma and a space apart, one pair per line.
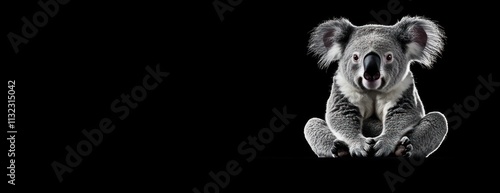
355, 57
388, 57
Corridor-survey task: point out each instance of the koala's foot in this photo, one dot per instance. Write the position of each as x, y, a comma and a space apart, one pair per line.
340, 149
404, 147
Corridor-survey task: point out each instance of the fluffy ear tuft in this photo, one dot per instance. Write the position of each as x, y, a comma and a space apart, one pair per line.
329, 39
424, 39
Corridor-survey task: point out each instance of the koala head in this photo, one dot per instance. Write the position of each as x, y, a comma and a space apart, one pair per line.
376, 57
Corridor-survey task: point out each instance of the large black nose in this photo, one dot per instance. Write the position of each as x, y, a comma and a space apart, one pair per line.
371, 62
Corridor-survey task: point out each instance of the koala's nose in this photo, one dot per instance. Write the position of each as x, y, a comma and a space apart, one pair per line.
371, 62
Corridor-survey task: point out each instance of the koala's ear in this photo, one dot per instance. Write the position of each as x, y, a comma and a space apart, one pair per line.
422, 38
329, 39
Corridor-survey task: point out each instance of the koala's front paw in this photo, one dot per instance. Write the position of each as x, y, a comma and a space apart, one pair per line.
383, 146
404, 147
360, 148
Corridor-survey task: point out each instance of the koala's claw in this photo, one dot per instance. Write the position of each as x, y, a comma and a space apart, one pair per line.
360, 148
370, 141
359, 153
340, 149
383, 148
404, 147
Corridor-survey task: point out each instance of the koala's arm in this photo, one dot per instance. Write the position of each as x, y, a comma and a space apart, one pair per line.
344, 120
399, 119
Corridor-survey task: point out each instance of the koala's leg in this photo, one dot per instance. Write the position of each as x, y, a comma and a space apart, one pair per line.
428, 134
322, 140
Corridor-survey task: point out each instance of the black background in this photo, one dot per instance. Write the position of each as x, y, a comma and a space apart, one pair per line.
225, 79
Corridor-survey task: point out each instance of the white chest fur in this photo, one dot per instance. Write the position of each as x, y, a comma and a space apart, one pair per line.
370, 103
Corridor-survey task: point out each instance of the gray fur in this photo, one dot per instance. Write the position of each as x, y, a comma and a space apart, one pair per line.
328, 34
376, 119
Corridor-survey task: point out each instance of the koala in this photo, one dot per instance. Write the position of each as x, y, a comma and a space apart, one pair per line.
374, 108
